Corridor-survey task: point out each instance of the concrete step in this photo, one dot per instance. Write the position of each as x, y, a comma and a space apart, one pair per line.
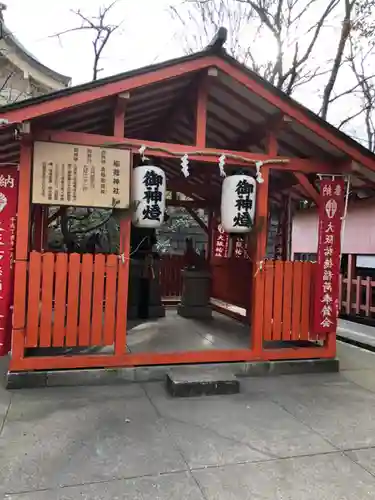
201, 381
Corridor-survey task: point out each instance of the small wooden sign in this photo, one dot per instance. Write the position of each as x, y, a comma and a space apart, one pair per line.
80, 176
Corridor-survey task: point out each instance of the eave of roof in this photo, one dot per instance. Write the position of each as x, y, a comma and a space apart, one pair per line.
103, 81
23, 52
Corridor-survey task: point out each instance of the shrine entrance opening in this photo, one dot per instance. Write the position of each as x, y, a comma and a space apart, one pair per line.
172, 307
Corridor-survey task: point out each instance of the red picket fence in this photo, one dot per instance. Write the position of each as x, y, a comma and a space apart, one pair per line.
170, 275
284, 297
71, 300
358, 297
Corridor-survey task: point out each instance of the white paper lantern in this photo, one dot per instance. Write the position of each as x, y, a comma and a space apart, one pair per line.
238, 203
148, 195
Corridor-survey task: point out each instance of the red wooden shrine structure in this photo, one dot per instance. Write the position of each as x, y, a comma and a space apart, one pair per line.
204, 105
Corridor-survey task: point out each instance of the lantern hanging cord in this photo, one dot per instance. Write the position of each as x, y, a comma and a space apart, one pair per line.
142, 149
122, 255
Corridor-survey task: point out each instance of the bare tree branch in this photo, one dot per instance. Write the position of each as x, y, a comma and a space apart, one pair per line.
358, 57
102, 30
345, 33
349, 118
298, 62
297, 28
359, 84
100, 27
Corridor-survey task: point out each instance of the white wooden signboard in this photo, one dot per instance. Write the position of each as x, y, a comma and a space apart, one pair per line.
80, 176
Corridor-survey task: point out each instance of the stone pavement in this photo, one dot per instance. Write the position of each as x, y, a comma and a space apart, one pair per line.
288, 438
357, 333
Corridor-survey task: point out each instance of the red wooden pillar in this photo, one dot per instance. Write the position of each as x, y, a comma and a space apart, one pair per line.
124, 265
257, 295
21, 252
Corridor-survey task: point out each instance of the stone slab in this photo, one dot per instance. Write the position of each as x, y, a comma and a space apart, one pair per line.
329, 476
100, 376
250, 419
26, 380
163, 487
64, 437
344, 414
201, 381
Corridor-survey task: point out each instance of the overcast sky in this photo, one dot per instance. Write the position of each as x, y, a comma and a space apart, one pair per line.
147, 35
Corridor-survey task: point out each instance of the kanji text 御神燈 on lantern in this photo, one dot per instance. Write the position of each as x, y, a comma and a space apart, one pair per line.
238, 203
148, 196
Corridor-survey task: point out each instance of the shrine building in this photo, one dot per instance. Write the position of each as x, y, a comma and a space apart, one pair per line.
207, 127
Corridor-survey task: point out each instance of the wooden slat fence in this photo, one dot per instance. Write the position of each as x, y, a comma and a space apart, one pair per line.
71, 300
286, 290
231, 279
358, 298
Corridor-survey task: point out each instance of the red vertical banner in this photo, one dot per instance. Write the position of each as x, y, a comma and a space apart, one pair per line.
220, 247
331, 210
8, 214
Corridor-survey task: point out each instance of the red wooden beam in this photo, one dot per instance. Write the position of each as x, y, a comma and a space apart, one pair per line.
208, 155
308, 187
296, 112
107, 89
119, 116
201, 114
271, 143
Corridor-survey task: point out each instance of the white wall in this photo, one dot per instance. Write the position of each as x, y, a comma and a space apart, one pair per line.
359, 233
